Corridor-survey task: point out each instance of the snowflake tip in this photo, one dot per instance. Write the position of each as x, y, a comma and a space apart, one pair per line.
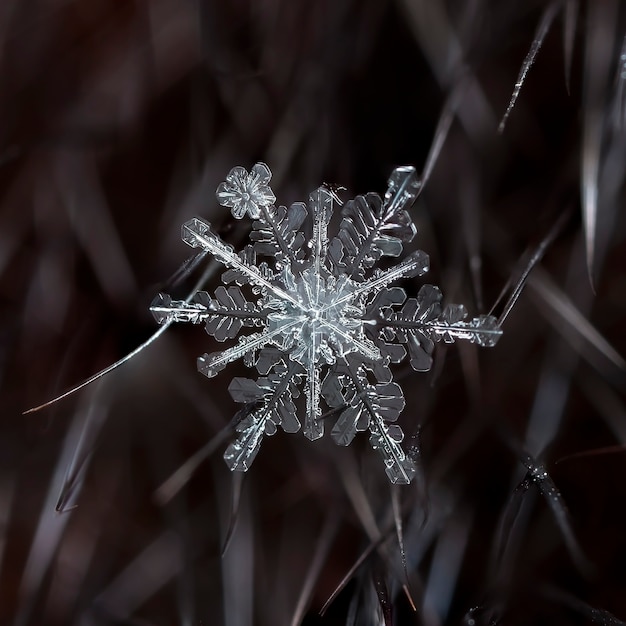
160, 308
418, 262
488, 331
240, 455
246, 193
211, 364
401, 474
403, 187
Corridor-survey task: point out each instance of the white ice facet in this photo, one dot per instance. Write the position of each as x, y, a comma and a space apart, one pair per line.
316, 318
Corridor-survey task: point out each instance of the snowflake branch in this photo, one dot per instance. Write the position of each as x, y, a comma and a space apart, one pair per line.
313, 427
166, 310
282, 224
399, 468
241, 453
322, 203
197, 232
416, 264
211, 364
482, 331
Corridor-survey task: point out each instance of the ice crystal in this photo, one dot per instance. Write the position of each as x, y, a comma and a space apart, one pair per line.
245, 193
326, 323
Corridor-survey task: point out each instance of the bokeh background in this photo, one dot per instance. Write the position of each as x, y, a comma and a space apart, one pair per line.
118, 119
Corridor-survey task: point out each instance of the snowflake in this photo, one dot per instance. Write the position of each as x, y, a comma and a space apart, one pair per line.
245, 193
329, 323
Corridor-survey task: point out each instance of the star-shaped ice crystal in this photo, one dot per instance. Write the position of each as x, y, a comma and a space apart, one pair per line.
328, 322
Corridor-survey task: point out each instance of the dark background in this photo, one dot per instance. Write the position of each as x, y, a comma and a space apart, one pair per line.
118, 119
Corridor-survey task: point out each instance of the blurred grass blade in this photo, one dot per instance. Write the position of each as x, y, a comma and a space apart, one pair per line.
620, 106
528, 261
438, 40
7, 494
539, 475
469, 208
322, 549
373, 545
414, 452
353, 609
50, 528
75, 475
91, 219
570, 322
382, 592
506, 525
101, 373
441, 131
143, 577
203, 279
397, 518
585, 454
183, 474
569, 33
436, 37
184, 270
237, 486
446, 565
78, 553
601, 33
358, 498
238, 566
542, 30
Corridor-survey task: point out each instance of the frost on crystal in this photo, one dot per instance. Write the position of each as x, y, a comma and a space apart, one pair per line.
319, 320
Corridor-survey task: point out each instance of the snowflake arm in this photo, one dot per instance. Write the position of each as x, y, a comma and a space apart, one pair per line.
482, 330
371, 228
321, 202
276, 233
416, 264
166, 310
198, 233
370, 406
211, 364
421, 322
224, 315
313, 426
275, 394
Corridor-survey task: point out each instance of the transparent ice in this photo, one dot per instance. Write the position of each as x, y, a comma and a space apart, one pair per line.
323, 321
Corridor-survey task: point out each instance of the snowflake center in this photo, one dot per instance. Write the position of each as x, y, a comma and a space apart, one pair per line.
315, 315
324, 326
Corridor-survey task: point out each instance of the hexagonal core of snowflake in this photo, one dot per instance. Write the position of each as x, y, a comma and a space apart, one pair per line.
324, 324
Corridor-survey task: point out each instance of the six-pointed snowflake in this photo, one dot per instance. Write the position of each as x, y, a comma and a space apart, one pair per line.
328, 323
